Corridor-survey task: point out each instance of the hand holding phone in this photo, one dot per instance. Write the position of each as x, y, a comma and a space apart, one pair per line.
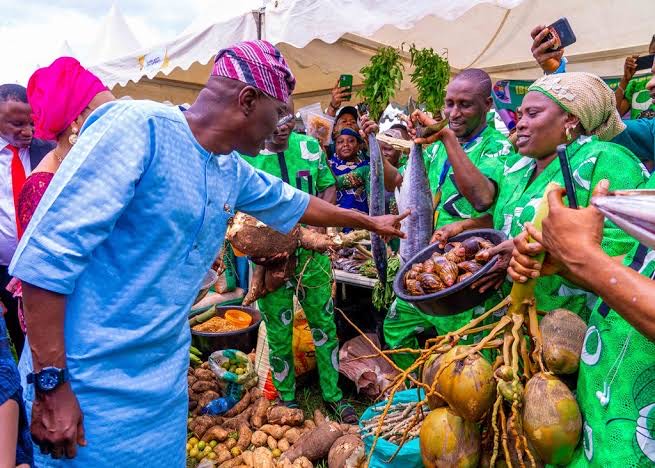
645, 62
562, 34
346, 81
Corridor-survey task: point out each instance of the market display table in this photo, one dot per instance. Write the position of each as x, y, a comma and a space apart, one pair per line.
354, 279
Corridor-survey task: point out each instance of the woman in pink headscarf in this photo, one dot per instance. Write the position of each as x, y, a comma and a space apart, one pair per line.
61, 96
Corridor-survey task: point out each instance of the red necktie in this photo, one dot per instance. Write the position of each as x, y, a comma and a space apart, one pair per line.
17, 181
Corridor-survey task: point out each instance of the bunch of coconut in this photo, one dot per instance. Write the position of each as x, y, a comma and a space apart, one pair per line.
459, 431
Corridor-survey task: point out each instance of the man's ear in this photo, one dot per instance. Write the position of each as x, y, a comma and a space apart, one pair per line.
489, 103
248, 97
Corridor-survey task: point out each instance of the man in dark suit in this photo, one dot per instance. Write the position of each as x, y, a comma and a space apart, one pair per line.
20, 153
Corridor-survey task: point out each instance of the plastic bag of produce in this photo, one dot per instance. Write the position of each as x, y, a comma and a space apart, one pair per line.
234, 371
317, 124
409, 455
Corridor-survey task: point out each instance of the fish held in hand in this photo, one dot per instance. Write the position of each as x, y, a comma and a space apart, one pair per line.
415, 194
377, 206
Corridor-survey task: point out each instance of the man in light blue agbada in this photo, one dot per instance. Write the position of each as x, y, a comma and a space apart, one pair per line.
118, 248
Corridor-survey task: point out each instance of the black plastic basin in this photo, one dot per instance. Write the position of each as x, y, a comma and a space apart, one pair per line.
460, 296
244, 339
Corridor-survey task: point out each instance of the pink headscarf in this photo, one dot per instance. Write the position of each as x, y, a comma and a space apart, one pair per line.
58, 94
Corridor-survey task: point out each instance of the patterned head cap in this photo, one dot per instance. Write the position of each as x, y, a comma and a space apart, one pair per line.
258, 64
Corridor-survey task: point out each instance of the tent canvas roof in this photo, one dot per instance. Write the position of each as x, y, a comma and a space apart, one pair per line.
320, 43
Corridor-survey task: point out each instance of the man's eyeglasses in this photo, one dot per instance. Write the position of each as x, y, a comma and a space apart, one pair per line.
285, 120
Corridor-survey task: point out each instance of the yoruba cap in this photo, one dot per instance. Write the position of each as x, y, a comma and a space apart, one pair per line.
258, 64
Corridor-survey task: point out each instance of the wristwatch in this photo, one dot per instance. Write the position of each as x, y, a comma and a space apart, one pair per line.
48, 379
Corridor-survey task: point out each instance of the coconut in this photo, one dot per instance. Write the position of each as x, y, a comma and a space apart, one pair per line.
562, 334
427, 377
551, 418
448, 440
467, 384
256, 240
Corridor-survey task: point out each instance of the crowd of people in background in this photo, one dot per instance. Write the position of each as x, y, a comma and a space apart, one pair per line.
90, 184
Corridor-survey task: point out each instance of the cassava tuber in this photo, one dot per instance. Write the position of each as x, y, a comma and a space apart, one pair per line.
315, 444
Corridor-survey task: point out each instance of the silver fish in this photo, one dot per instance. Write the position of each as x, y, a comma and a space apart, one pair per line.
631, 210
376, 206
415, 194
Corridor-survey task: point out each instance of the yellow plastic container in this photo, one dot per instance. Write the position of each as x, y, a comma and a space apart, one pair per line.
238, 318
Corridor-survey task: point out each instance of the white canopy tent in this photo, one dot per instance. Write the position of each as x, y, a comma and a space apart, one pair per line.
322, 39
114, 39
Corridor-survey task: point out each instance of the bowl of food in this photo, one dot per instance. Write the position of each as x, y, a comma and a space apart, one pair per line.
438, 281
211, 331
210, 279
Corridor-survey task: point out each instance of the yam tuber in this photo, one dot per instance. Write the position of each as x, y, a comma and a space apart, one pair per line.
207, 397
205, 365
259, 438
201, 386
245, 435
216, 433
191, 379
235, 422
230, 443
204, 374
200, 425
263, 458
248, 459
319, 418
240, 406
232, 463
274, 430
222, 454
271, 442
285, 416
309, 424
315, 444
283, 444
303, 462
347, 452
292, 435
258, 418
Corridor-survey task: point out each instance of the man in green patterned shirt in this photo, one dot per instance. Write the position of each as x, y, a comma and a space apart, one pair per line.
468, 142
299, 160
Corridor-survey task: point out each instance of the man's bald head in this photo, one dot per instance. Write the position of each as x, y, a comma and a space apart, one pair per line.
479, 78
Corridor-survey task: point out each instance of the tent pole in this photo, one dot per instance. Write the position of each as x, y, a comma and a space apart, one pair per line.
259, 17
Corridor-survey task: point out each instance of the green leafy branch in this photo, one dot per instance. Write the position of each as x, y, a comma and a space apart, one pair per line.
382, 78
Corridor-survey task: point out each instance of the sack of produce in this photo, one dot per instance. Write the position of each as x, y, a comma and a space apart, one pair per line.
226, 268
234, 371
409, 456
304, 352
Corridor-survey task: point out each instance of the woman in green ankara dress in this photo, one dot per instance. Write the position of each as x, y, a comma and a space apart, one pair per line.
577, 109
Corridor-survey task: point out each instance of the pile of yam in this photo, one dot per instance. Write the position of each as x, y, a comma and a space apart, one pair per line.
256, 433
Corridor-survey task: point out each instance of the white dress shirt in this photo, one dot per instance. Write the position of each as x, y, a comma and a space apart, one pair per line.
8, 235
